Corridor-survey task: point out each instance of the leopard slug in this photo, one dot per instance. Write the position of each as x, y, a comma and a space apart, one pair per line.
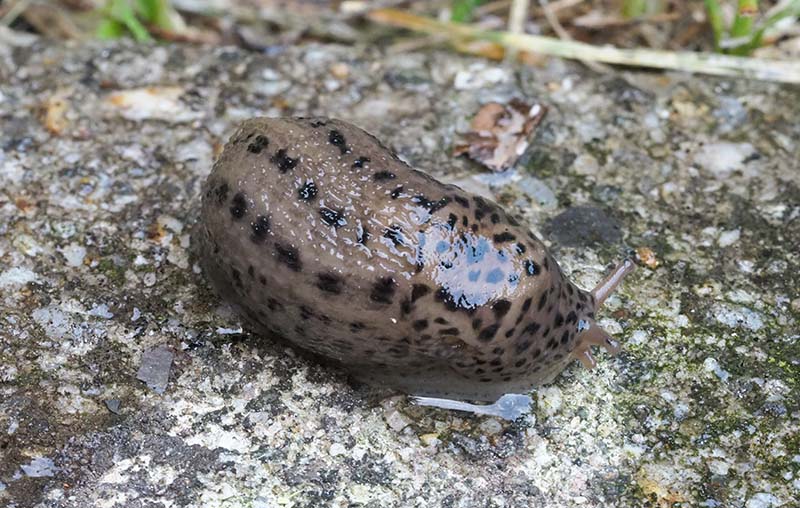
320, 235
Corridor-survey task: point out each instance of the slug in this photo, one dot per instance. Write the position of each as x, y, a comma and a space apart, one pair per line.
320, 235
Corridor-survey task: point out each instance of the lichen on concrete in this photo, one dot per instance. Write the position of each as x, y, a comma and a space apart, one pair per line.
103, 149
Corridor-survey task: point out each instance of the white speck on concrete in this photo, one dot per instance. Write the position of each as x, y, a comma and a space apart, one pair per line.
723, 158
719, 467
737, 317
585, 164
16, 276
337, 449
711, 365
101, 311
396, 420
491, 426
229, 331
478, 76
763, 500
40, 467
27, 245
728, 238
74, 254
216, 437
549, 399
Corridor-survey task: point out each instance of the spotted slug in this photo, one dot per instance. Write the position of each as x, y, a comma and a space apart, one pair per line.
321, 236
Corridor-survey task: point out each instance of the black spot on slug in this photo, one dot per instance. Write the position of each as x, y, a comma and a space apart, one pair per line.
531, 268
520, 248
258, 144
305, 312
504, 237
418, 291
526, 304
362, 234
260, 228
337, 139
283, 161
522, 346
331, 217
420, 324
531, 329
380, 176
461, 200
450, 331
431, 206
405, 306
383, 290
289, 256
488, 333
359, 163
307, 191
222, 192
395, 234
572, 317
451, 221
542, 301
396, 192
330, 283
239, 206
500, 308
495, 218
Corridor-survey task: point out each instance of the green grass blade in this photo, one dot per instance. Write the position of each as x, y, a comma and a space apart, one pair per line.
715, 20
462, 10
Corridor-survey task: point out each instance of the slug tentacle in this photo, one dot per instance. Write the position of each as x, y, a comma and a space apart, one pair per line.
589, 333
610, 283
593, 335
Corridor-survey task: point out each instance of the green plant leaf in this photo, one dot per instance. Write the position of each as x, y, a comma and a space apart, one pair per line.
122, 11
634, 8
461, 11
746, 12
715, 20
109, 29
156, 12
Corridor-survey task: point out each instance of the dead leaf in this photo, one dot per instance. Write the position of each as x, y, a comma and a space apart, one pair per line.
501, 133
54, 111
647, 257
153, 103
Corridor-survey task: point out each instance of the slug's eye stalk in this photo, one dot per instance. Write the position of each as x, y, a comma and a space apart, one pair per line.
589, 334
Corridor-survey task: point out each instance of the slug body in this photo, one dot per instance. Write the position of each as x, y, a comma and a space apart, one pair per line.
321, 235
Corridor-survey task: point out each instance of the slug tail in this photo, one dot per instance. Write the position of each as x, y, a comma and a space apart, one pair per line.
610, 283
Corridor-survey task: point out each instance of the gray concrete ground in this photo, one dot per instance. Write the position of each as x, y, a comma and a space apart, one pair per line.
99, 183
